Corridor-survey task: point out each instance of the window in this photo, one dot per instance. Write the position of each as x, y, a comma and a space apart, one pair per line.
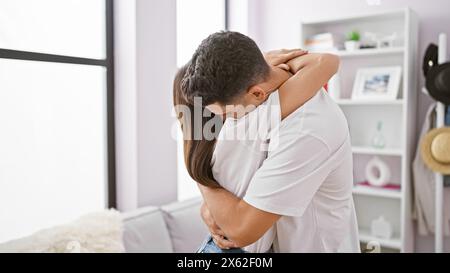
196, 19
56, 112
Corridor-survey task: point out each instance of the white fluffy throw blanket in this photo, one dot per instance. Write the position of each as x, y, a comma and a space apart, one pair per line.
95, 232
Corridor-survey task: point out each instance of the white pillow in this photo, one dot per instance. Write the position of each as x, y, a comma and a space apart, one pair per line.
95, 232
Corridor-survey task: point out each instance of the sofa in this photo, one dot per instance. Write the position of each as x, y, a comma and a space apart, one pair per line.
176, 227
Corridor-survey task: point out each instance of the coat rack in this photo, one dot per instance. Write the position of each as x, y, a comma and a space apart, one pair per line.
439, 190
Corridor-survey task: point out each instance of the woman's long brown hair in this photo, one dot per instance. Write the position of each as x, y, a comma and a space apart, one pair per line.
198, 150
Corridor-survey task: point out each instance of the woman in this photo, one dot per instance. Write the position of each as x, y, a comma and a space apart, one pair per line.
206, 157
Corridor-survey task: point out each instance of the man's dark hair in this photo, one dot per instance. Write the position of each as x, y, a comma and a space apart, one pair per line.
224, 65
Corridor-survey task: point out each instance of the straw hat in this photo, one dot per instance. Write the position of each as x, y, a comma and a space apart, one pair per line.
435, 150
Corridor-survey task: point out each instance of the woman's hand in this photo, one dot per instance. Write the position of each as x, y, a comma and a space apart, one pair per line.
279, 58
311, 73
217, 234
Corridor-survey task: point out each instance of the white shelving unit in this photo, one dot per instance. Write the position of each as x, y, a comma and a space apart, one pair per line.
374, 151
369, 102
363, 190
394, 243
398, 117
370, 52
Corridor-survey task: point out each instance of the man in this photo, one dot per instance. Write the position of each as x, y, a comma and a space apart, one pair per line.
303, 187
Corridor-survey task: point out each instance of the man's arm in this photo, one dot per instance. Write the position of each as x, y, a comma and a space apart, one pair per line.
242, 223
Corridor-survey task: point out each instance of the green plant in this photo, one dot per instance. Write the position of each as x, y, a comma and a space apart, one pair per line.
353, 36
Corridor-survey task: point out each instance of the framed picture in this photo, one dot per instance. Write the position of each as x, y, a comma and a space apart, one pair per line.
377, 83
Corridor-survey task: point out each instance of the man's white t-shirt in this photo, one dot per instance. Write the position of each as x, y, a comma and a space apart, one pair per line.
306, 177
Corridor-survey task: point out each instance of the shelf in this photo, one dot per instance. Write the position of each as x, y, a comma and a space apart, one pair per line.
385, 193
374, 151
350, 102
369, 52
358, 17
394, 243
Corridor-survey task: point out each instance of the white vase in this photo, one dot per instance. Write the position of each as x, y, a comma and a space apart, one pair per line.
381, 228
378, 173
351, 45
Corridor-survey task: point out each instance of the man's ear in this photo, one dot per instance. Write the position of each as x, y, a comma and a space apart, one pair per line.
257, 92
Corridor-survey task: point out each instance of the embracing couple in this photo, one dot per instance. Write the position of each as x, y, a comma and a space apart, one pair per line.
270, 152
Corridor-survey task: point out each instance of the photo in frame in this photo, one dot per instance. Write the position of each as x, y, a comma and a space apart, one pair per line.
377, 83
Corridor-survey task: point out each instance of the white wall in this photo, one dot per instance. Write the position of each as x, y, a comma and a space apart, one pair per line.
156, 51
126, 104
279, 27
145, 55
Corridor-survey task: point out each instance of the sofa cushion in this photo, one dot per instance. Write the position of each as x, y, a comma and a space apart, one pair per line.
145, 231
185, 225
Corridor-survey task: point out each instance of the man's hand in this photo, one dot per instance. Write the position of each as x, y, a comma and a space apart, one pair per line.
217, 234
279, 58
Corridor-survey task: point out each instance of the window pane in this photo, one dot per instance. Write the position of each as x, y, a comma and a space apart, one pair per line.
69, 27
52, 144
196, 19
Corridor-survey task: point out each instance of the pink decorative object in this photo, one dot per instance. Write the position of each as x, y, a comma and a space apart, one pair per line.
387, 187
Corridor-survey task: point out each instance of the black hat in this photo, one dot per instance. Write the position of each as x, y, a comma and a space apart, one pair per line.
438, 83
430, 58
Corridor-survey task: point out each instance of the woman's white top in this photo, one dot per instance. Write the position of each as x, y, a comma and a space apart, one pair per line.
239, 152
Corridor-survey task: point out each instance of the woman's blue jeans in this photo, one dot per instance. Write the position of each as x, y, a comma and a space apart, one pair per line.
209, 246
